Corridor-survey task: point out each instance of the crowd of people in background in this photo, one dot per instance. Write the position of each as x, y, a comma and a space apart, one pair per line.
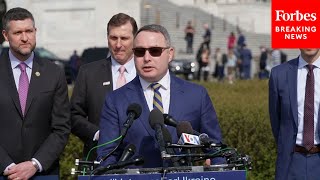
233, 63
222, 65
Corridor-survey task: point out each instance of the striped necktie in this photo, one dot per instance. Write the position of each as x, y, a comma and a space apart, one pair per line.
157, 100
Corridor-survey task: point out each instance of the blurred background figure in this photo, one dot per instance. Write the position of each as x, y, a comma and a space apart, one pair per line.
245, 59
219, 68
241, 41
205, 59
263, 73
189, 33
231, 65
199, 60
275, 58
207, 35
231, 41
74, 63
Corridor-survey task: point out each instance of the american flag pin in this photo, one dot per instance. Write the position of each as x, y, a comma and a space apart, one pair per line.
106, 83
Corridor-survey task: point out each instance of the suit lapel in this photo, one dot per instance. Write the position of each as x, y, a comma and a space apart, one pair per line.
176, 96
35, 83
136, 95
8, 75
292, 82
106, 75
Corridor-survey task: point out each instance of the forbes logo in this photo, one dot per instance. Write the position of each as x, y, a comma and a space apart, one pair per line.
281, 15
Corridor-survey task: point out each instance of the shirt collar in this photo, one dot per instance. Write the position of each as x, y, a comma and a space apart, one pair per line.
165, 82
129, 65
15, 61
303, 63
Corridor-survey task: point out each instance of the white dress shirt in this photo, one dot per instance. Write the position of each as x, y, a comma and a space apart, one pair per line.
301, 85
130, 72
164, 90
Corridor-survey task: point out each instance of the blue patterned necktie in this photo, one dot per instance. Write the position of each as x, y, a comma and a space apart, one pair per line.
308, 127
157, 100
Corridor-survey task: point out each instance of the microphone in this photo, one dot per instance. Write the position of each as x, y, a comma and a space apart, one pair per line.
133, 112
208, 142
128, 152
204, 138
184, 130
137, 161
156, 122
168, 141
79, 162
168, 120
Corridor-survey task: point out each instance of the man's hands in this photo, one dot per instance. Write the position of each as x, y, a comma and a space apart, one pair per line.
21, 171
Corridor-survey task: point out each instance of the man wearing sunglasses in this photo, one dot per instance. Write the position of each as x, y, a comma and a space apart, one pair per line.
97, 79
183, 100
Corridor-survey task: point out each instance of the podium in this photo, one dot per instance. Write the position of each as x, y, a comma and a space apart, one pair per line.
49, 177
178, 173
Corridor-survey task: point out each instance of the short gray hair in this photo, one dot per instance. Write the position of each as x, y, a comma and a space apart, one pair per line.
156, 28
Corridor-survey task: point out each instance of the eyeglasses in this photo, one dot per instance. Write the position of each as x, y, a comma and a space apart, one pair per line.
154, 51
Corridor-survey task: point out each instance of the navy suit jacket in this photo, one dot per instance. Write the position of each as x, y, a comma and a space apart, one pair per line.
188, 102
283, 110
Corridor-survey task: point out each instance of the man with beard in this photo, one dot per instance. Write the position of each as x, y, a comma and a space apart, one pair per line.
34, 104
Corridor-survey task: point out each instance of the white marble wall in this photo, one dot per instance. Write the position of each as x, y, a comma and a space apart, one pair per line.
67, 25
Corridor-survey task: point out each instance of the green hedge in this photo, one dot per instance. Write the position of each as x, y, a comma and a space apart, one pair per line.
242, 110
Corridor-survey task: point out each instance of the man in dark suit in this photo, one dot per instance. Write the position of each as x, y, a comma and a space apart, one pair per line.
97, 79
294, 99
181, 99
34, 104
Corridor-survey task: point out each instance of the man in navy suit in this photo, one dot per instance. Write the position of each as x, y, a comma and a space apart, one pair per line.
294, 97
183, 100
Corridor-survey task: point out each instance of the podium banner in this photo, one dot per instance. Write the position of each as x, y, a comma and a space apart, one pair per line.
208, 175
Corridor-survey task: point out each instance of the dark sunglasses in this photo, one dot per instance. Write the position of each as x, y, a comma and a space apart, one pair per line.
153, 51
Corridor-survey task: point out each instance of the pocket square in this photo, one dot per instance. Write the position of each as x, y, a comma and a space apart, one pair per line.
106, 83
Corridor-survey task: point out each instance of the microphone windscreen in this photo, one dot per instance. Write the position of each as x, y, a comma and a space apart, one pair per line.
155, 117
184, 127
138, 160
166, 136
168, 120
131, 147
128, 152
136, 109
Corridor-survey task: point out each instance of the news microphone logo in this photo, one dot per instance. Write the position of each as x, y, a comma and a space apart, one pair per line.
189, 139
295, 24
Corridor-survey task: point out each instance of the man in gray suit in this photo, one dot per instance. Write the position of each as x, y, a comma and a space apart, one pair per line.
97, 79
34, 104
